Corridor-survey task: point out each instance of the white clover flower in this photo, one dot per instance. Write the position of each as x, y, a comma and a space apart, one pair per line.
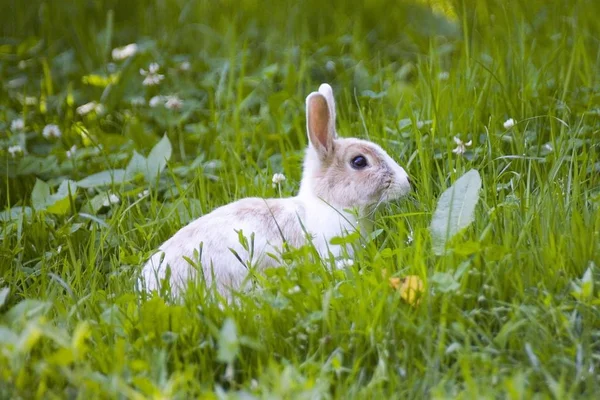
444, 76
143, 193
17, 125
277, 179
71, 151
111, 199
461, 147
173, 102
121, 53
14, 150
509, 123
185, 66
51, 131
152, 77
156, 100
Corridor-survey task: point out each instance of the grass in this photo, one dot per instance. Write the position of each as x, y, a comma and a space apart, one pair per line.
510, 311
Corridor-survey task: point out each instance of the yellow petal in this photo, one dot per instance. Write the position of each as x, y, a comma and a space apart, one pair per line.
411, 289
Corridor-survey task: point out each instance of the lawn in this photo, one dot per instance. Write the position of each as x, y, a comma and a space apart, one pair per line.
106, 150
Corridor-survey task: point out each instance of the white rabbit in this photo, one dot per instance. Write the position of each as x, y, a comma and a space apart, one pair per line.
339, 175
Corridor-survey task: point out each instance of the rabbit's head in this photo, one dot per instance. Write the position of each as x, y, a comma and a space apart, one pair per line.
346, 172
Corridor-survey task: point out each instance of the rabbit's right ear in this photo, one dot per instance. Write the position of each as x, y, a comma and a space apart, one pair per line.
320, 126
327, 91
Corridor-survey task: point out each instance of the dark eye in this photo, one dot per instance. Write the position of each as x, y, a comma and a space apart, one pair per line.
359, 162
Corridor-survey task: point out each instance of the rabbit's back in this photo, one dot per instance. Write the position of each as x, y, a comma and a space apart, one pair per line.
216, 237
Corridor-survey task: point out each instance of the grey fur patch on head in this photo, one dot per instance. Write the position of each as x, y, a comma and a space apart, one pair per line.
336, 182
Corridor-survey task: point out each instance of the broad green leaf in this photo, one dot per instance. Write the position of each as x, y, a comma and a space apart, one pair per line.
229, 344
455, 210
57, 203
157, 159
444, 282
40, 195
104, 178
137, 165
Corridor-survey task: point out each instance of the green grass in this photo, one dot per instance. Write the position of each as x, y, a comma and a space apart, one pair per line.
508, 312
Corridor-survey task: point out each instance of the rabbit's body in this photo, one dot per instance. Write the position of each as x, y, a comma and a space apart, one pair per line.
343, 181
270, 220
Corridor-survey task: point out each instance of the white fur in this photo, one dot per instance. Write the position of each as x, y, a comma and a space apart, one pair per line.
329, 187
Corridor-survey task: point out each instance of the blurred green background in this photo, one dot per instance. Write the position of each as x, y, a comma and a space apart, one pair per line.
511, 310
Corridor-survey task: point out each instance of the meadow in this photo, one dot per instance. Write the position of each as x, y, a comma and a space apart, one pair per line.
120, 122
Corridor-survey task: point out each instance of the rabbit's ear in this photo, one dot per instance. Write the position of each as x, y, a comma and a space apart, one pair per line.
318, 123
326, 91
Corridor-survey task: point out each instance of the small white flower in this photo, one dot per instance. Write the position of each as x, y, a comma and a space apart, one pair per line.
410, 238
294, 290
444, 76
144, 193
71, 151
152, 77
51, 131
111, 199
278, 178
156, 100
14, 150
509, 123
17, 125
173, 102
153, 68
461, 147
121, 53
185, 66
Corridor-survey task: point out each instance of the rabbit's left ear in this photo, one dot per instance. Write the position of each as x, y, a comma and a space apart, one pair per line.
327, 92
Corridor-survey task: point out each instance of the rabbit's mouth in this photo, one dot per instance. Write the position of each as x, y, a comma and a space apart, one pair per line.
394, 191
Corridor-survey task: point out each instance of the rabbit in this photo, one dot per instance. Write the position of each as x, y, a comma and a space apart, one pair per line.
343, 181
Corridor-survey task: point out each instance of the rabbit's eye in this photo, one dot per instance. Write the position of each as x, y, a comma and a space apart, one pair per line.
359, 162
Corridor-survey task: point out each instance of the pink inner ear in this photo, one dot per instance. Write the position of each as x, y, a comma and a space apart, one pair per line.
319, 120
